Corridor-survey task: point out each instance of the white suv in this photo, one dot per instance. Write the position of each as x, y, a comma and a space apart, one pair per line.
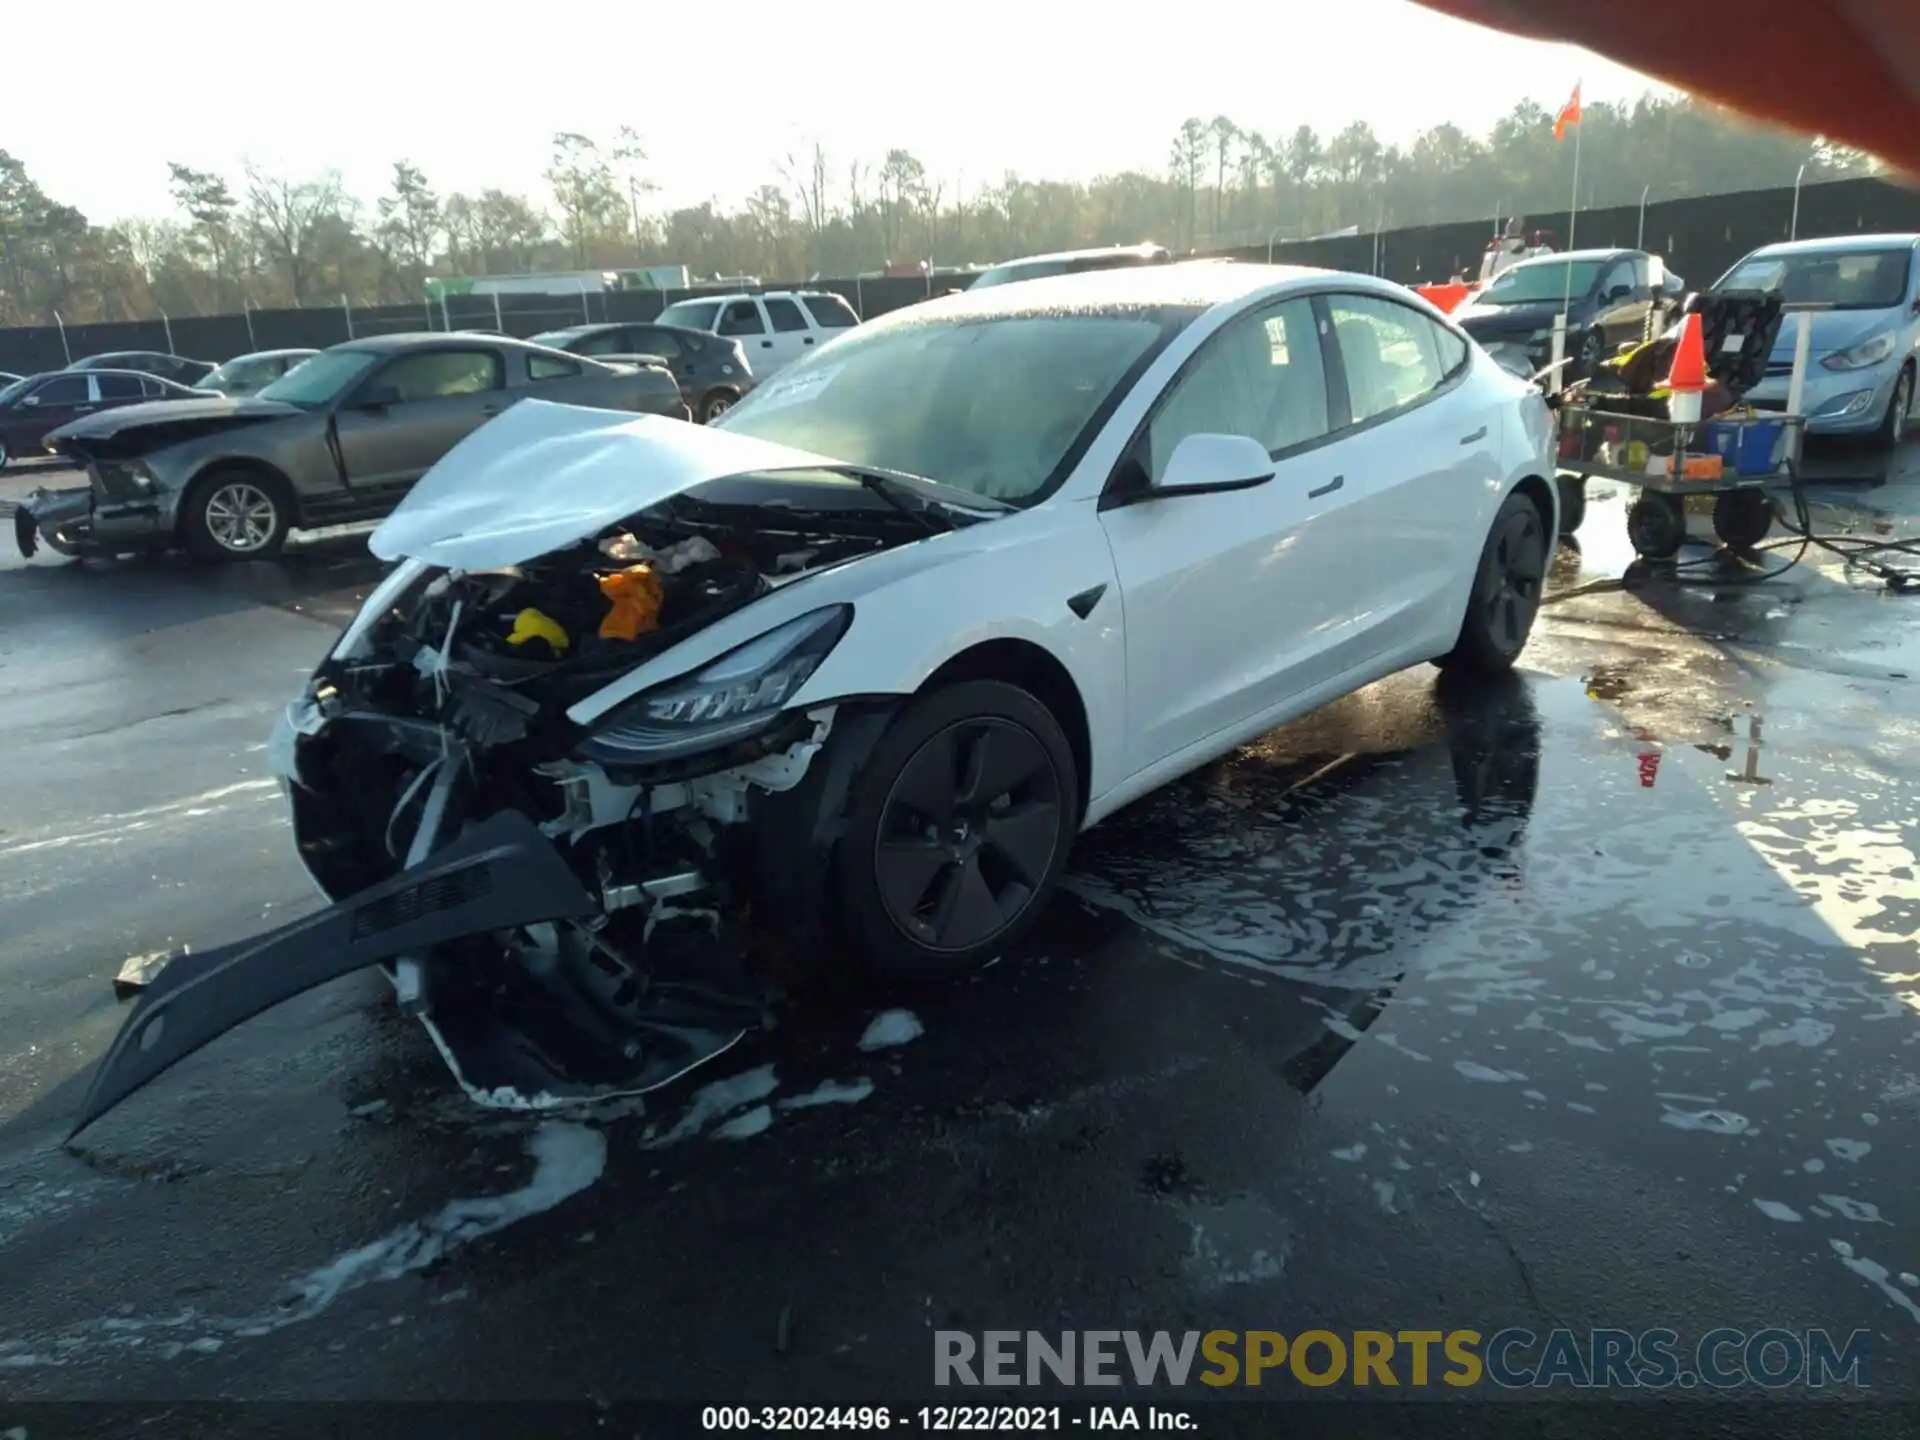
774, 327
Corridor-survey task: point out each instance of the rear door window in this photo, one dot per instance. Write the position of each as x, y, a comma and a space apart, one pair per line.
120, 387
1392, 356
550, 367
663, 343
604, 342
785, 315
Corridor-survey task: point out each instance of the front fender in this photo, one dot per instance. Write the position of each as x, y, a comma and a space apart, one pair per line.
918, 606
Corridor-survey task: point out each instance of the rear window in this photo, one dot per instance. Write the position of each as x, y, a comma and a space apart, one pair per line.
830, 312
691, 314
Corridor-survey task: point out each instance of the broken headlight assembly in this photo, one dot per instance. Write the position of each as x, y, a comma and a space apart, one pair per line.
729, 700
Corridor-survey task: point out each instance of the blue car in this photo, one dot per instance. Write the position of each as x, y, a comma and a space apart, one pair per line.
1866, 333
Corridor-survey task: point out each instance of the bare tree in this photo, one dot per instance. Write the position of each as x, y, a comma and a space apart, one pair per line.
286, 216
211, 206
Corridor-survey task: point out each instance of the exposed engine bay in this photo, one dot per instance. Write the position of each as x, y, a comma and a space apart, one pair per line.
458, 712
631, 962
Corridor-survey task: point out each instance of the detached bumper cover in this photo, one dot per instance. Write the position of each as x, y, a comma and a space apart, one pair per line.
63, 519
500, 875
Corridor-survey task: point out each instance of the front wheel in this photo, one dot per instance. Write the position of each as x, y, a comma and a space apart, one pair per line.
236, 515
958, 831
1893, 428
715, 405
1507, 587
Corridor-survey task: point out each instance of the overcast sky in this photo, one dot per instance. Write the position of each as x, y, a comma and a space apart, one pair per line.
100, 98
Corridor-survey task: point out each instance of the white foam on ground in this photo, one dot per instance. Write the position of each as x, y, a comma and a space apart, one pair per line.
890, 1028
829, 1092
715, 1102
567, 1159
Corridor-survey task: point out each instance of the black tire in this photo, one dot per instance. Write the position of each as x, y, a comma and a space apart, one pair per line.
1592, 353
935, 882
1656, 525
1507, 586
716, 403
1893, 426
225, 502
1573, 502
4, 456
1742, 518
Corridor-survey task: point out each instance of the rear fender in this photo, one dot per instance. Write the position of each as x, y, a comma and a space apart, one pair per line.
501, 874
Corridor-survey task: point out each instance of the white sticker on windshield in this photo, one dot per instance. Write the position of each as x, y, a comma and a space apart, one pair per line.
793, 390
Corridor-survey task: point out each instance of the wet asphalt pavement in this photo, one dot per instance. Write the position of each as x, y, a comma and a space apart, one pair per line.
1427, 1011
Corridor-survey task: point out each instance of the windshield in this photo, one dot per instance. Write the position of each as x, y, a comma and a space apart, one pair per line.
1000, 407
693, 314
1545, 280
1844, 279
17, 389
322, 378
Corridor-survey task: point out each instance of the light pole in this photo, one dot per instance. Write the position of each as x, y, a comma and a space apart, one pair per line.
1793, 227
1272, 235
1640, 241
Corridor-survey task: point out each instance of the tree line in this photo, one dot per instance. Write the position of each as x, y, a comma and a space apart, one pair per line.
263, 240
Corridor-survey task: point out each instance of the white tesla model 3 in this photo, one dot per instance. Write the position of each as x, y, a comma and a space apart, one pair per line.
648, 714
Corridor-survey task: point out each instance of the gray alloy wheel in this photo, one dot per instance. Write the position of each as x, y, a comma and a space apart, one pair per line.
241, 517
714, 406
236, 514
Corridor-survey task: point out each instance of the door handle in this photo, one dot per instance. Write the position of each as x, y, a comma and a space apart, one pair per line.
1327, 489
1475, 438
807, 340
766, 344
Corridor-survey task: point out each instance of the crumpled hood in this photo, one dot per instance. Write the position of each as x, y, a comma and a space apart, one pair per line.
123, 418
543, 476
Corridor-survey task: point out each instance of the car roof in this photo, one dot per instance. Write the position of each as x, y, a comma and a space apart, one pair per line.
1097, 253
426, 340
1827, 243
1559, 256
273, 354
1194, 284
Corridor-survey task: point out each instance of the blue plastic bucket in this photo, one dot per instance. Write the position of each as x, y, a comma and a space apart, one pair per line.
1756, 448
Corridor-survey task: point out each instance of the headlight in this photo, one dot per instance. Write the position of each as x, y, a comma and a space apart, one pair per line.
1870, 351
732, 699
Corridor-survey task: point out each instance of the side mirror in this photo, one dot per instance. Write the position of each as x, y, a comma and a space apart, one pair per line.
1203, 464
376, 397
1619, 293
30, 400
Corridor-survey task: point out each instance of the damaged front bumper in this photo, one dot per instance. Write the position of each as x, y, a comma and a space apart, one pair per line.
540, 986
72, 522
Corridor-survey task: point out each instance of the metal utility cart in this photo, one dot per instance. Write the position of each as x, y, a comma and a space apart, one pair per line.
1736, 458
1739, 457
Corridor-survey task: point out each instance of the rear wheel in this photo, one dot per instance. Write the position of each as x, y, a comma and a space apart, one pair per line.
1742, 518
1506, 592
236, 514
716, 404
958, 831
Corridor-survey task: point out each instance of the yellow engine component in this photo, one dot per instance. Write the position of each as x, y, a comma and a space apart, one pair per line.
536, 625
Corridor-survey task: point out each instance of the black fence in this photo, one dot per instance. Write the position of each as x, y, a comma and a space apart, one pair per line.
1699, 239
29, 350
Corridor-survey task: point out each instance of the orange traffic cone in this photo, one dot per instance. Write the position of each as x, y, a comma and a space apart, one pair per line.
1687, 380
